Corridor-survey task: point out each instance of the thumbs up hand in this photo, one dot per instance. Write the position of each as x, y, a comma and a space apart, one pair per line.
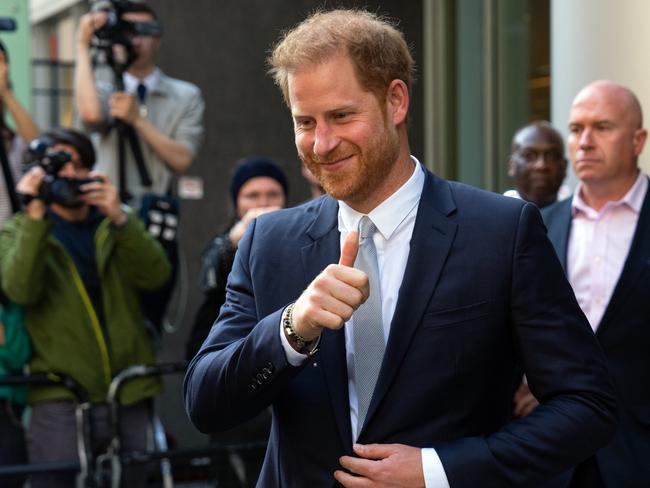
329, 300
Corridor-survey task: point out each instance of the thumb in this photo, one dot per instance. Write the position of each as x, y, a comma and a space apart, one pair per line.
350, 249
373, 451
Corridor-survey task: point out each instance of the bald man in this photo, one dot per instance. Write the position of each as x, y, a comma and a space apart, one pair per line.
537, 164
602, 236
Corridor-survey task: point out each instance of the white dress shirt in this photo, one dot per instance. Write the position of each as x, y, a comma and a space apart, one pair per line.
150, 81
599, 243
395, 220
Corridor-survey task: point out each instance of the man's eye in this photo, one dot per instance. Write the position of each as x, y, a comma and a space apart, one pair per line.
303, 124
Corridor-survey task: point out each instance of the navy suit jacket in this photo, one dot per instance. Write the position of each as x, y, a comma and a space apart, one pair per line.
624, 335
482, 293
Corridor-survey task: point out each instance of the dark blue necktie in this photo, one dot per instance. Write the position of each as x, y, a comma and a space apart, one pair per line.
142, 93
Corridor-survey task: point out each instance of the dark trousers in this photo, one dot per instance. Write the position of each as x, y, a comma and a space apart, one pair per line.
587, 475
12, 441
52, 437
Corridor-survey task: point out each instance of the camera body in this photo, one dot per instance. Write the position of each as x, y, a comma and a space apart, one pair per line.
119, 31
55, 189
62, 190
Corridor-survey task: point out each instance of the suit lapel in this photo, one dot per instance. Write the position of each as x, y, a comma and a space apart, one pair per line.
433, 235
637, 263
558, 233
316, 256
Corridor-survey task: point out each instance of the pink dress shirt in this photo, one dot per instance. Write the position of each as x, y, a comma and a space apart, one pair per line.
599, 243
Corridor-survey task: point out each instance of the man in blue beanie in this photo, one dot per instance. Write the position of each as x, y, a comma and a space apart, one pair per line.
257, 186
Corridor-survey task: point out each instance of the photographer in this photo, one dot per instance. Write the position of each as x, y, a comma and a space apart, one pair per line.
166, 113
75, 259
13, 143
257, 186
163, 115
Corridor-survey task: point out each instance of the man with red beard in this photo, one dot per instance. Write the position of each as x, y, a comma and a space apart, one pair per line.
384, 321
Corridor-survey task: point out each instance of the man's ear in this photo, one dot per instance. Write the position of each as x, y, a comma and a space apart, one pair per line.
639, 138
397, 99
512, 168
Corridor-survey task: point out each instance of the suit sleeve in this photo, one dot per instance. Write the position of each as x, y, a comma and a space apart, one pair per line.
566, 371
241, 366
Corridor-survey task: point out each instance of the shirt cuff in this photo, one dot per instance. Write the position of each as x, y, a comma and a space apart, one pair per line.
293, 357
434, 472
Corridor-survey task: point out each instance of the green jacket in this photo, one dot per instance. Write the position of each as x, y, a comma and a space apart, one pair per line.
38, 273
14, 351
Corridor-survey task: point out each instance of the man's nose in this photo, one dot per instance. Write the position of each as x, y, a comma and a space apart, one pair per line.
540, 161
264, 201
586, 138
324, 141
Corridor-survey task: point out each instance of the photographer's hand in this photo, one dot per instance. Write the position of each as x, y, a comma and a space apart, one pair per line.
88, 24
4, 76
85, 91
25, 125
29, 184
123, 106
104, 195
238, 230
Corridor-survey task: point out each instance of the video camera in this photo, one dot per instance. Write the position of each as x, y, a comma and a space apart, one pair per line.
55, 189
119, 31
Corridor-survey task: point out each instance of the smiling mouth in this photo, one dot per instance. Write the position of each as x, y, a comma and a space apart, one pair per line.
335, 164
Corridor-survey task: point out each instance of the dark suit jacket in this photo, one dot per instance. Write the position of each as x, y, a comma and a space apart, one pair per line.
482, 291
624, 335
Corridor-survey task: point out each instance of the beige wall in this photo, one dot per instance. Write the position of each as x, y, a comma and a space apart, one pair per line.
598, 39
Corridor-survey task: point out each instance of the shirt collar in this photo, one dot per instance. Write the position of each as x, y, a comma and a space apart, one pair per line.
633, 198
151, 81
391, 212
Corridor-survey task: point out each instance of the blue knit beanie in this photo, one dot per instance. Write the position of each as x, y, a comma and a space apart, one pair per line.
252, 168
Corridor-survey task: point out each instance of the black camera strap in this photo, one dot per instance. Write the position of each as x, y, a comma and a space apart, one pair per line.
126, 132
6, 171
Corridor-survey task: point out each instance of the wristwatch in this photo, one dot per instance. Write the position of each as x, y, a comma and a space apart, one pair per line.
298, 342
25, 198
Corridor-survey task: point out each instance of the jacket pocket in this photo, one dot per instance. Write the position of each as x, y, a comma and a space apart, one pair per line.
457, 315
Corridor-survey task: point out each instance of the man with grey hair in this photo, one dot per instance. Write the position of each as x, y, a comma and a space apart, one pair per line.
384, 321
